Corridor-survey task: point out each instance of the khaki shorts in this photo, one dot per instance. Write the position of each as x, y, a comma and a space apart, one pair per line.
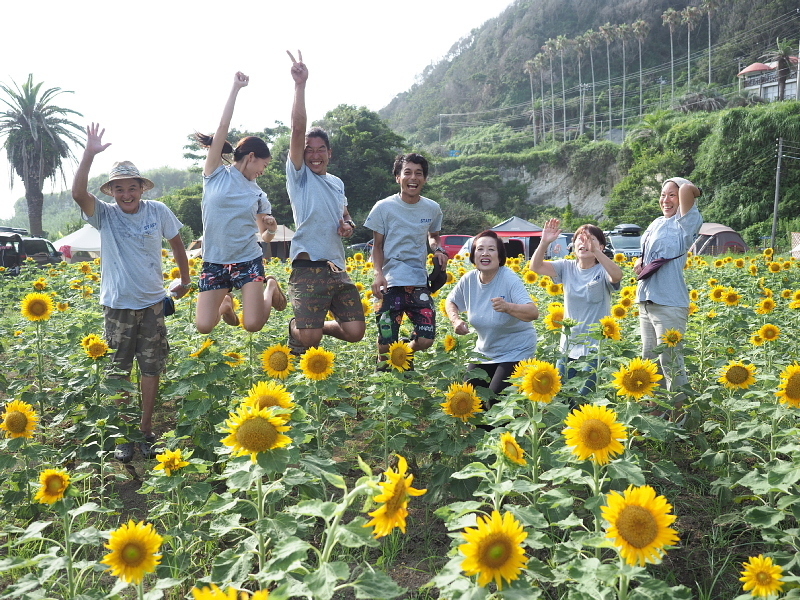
315, 289
139, 334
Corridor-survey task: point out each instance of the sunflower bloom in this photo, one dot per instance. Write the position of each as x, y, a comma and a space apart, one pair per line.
207, 343
277, 361
37, 307
94, 346
761, 577
789, 388
461, 401
134, 548
756, 340
737, 376
717, 293
62, 306
639, 524
638, 379
731, 297
609, 327
54, 484
253, 430
400, 356
268, 395
215, 593
769, 332
593, 432
235, 359
317, 363
396, 490
766, 306
494, 550
672, 337
531, 277
40, 284
554, 318
541, 381
450, 343
618, 311
170, 461
511, 448
19, 420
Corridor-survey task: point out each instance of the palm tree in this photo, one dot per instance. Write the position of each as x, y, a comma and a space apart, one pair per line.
640, 29
579, 43
562, 43
592, 41
609, 33
709, 6
37, 133
529, 69
538, 64
671, 18
690, 16
781, 55
624, 35
549, 49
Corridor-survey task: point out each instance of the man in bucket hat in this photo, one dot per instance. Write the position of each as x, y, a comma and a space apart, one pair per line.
131, 283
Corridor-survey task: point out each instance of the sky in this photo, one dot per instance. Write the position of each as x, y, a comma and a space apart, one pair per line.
152, 72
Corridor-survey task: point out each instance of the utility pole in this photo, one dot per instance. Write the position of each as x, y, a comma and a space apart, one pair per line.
777, 193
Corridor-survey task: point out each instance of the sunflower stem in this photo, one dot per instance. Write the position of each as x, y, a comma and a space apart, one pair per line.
496, 496
262, 549
330, 532
251, 352
68, 553
623, 586
40, 366
597, 485
535, 449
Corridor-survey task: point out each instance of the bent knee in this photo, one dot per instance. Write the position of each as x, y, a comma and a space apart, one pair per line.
423, 343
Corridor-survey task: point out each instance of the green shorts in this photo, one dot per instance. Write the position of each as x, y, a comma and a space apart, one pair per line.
315, 289
139, 334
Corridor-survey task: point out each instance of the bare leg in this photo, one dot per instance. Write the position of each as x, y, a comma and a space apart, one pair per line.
149, 391
227, 310
350, 331
209, 306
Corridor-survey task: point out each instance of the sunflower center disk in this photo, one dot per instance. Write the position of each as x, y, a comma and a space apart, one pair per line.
54, 485
637, 526
793, 387
496, 553
636, 380
267, 400
763, 578
461, 403
279, 361
256, 435
595, 434
16, 422
37, 308
132, 555
737, 374
511, 451
318, 364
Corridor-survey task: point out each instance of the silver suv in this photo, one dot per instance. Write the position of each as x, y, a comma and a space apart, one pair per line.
625, 239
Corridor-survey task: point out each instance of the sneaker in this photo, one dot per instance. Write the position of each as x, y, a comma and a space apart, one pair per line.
146, 447
124, 452
294, 344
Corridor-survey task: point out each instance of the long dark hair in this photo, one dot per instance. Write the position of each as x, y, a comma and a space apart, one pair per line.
245, 146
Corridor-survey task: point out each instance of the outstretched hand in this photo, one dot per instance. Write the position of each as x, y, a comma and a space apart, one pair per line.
94, 140
551, 231
299, 69
240, 80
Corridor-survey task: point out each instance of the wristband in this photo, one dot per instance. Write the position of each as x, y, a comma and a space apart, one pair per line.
273, 232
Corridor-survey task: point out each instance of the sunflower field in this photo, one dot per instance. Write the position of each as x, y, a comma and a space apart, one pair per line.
320, 477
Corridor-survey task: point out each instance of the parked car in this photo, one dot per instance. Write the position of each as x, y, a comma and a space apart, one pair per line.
16, 246
625, 239
452, 243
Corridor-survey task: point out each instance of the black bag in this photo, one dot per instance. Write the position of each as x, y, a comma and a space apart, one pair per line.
169, 306
437, 277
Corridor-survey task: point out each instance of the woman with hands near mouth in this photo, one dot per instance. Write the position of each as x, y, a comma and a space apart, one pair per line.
588, 280
498, 307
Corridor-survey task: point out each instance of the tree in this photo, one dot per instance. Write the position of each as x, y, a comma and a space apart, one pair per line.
580, 45
782, 55
609, 33
530, 68
538, 64
624, 34
549, 50
562, 43
592, 41
37, 140
640, 29
709, 6
690, 16
671, 18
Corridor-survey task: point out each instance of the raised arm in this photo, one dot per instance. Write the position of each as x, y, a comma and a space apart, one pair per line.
552, 229
214, 158
612, 268
297, 143
80, 189
687, 195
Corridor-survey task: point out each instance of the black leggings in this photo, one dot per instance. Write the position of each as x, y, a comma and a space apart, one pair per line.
498, 376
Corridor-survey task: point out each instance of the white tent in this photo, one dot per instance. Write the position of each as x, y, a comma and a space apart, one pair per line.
85, 240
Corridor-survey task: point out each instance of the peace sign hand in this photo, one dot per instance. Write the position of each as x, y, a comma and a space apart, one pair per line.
299, 69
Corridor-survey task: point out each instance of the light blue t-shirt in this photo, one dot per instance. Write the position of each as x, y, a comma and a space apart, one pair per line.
130, 267
231, 203
405, 229
501, 337
669, 238
318, 204
587, 299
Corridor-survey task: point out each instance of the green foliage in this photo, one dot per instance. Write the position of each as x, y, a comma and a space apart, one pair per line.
185, 203
592, 161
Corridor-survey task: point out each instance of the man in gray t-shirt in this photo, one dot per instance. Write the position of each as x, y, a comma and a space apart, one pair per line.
403, 226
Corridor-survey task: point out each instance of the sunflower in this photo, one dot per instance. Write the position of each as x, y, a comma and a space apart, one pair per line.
267, 395
766, 306
215, 593
54, 484
672, 337
62, 306
717, 293
461, 401
207, 343
639, 524
774, 267
133, 551
170, 461
768, 252
541, 381
593, 431
719, 263
619, 312
40, 284
235, 359
253, 430
317, 363
277, 361
693, 308
37, 307
609, 327
619, 257
394, 496
494, 550
511, 449
95, 347
366, 306
400, 356
767, 292
625, 302
761, 577
629, 291
769, 332
638, 379
555, 289
85, 268
531, 277
737, 375
555, 317
19, 420
694, 295
521, 368
789, 388
753, 270
739, 263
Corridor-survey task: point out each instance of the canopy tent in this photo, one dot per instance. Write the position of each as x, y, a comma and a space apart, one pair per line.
278, 247
515, 226
83, 244
715, 239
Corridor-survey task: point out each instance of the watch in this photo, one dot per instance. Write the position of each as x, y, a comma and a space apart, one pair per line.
351, 223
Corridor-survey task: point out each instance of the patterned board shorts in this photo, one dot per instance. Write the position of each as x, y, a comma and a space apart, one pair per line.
216, 276
315, 289
139, 334
416, 302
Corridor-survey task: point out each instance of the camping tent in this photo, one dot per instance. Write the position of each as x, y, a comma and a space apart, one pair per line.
715, 239
83, 244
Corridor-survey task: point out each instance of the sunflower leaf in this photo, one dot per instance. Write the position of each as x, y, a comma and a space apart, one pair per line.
376, 584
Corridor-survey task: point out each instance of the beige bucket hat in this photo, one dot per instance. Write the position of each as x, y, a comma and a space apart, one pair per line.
125, 170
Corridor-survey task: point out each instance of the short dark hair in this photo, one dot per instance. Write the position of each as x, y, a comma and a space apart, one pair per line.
412, 157
501, 247
319, 132
245, 146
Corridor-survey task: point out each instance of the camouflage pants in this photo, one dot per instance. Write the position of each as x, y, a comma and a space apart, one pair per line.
139, 334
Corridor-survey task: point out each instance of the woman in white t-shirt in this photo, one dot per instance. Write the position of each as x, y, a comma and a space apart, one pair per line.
498, 307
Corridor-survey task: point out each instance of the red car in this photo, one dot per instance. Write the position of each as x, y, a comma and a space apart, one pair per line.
452, 243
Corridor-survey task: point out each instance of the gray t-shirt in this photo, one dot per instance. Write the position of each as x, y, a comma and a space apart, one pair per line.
501, 337
318, 203
130, 271
230, 205
405, 229
668, 238
587, 299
